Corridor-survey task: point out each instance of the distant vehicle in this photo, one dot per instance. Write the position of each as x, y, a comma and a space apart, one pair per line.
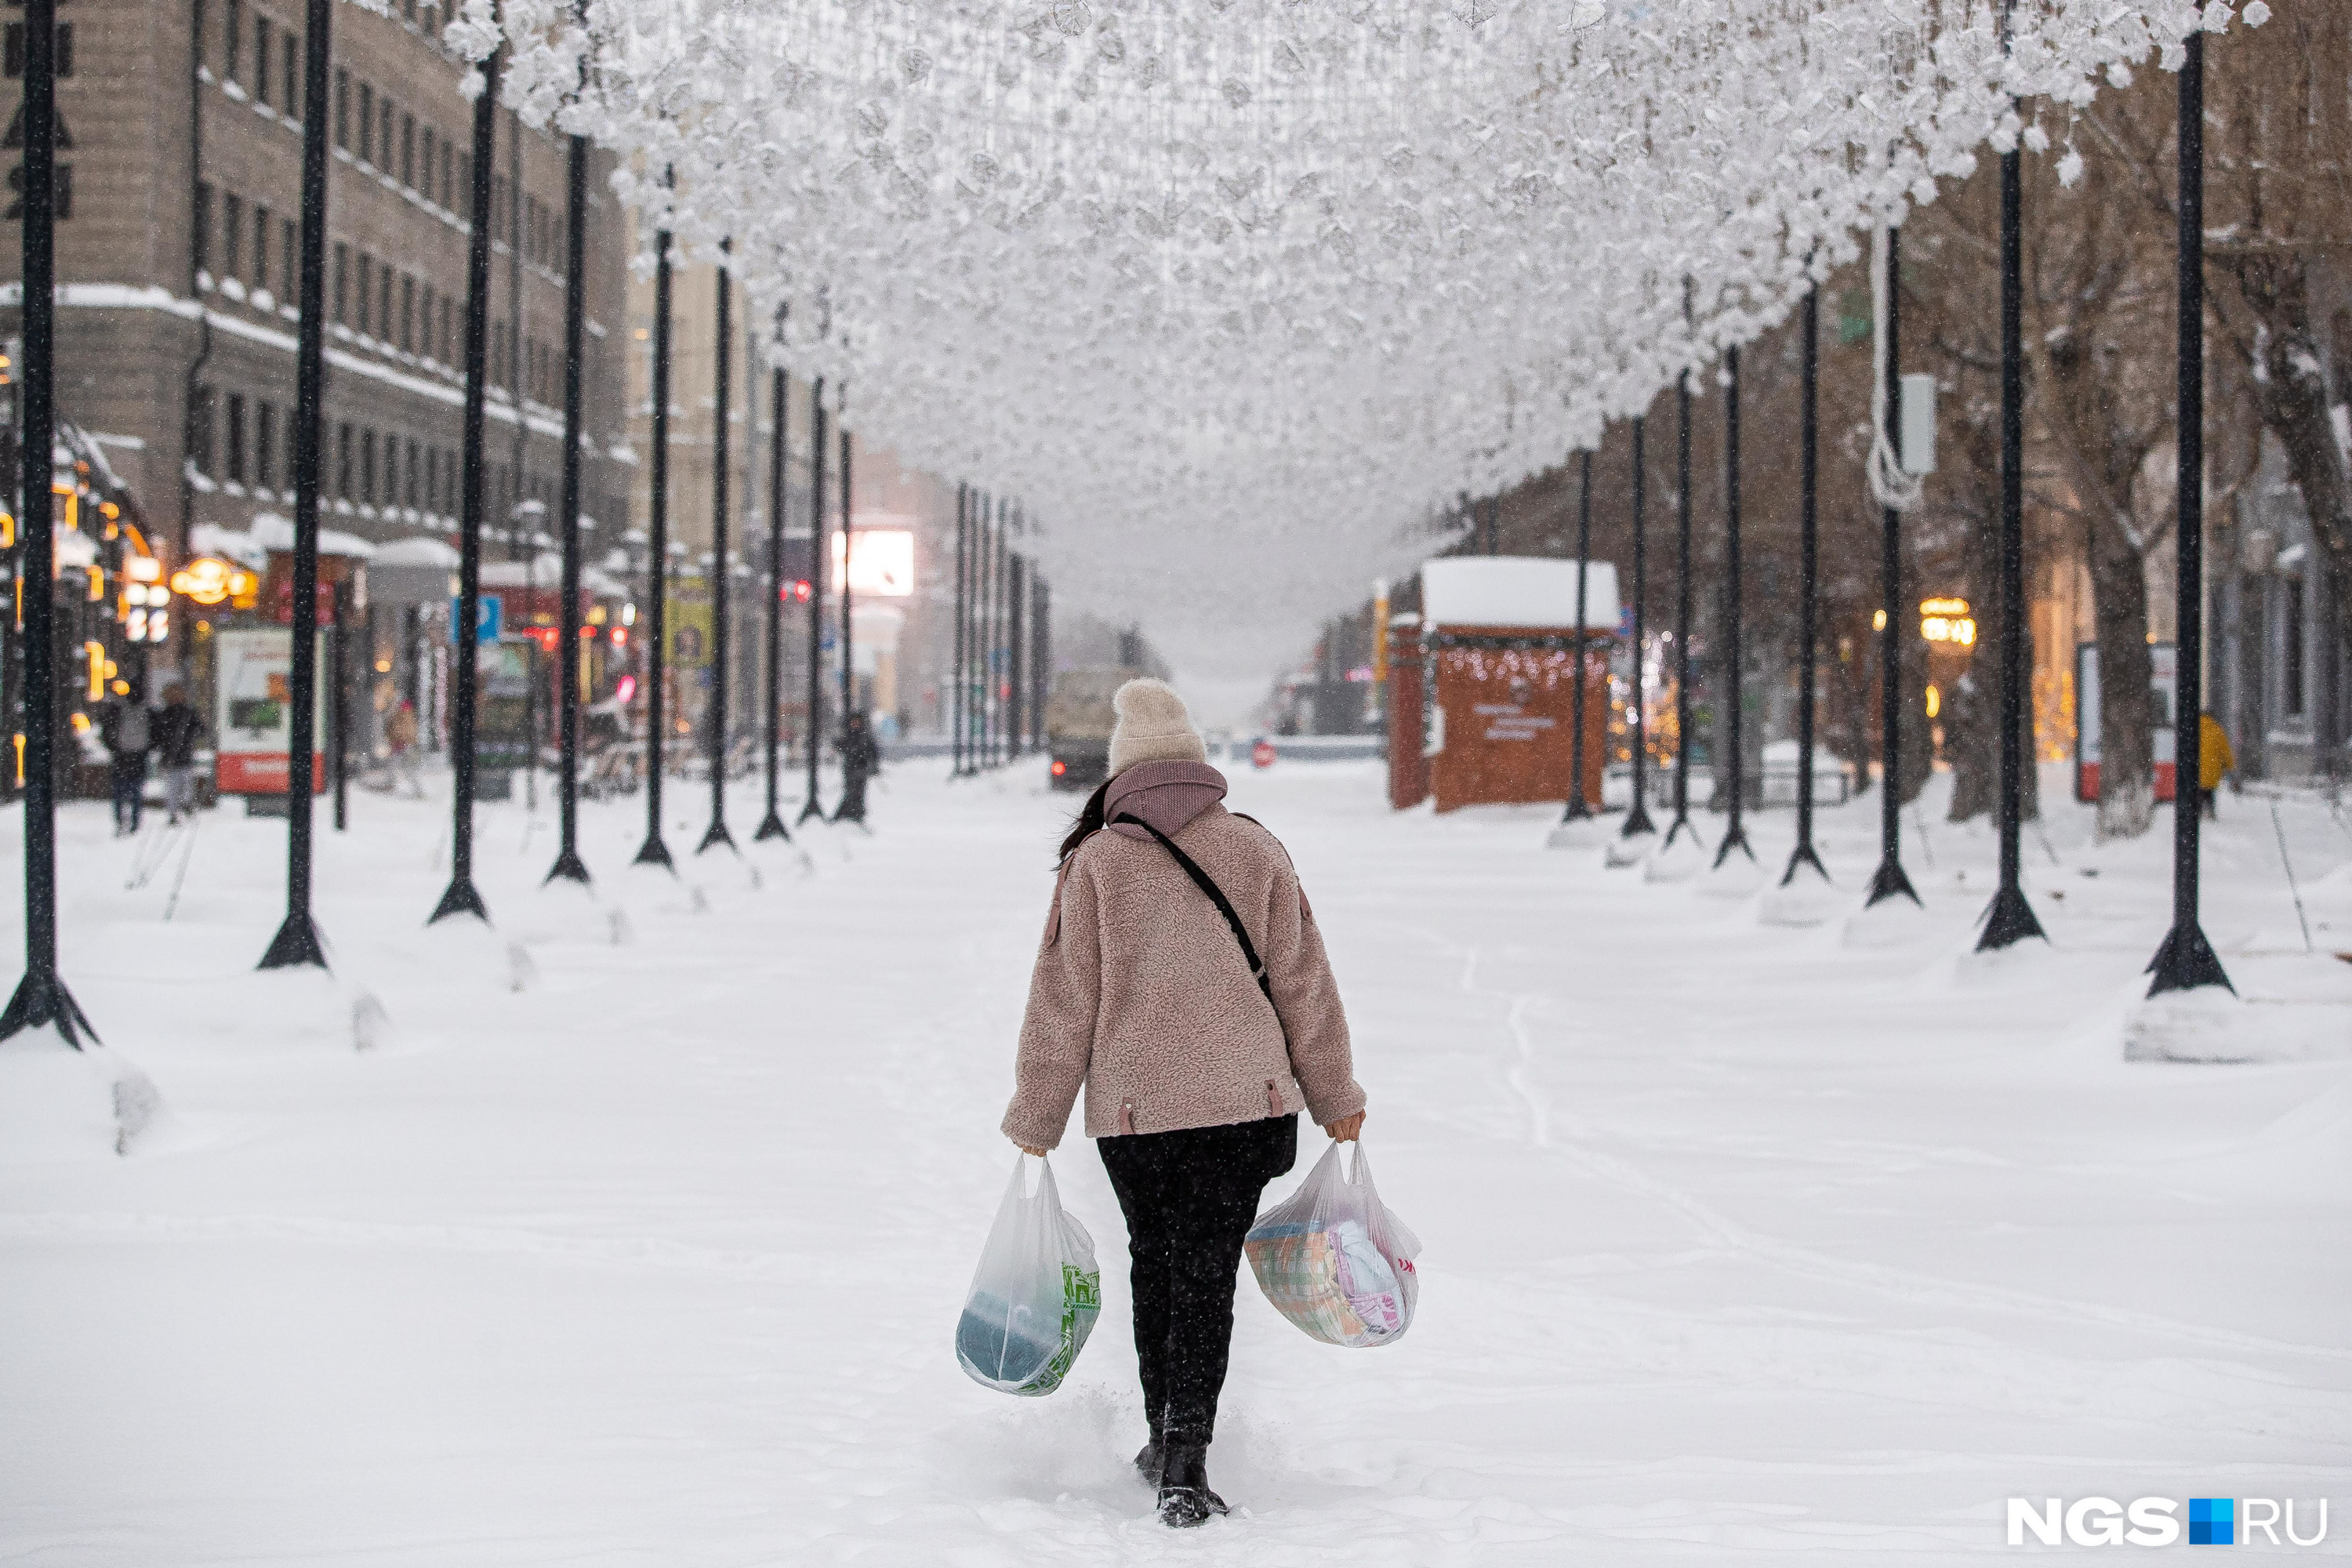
1078, 721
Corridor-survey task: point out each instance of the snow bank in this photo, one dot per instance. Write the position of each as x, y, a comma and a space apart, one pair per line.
59, 1103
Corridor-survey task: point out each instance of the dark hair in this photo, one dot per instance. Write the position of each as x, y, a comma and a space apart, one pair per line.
1089, 821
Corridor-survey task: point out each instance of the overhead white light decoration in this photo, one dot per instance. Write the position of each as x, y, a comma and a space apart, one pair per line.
1235, 293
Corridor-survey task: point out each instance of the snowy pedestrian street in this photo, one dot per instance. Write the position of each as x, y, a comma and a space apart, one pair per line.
1741, 1243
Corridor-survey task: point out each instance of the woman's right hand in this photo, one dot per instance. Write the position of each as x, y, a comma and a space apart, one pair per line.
1348, 1128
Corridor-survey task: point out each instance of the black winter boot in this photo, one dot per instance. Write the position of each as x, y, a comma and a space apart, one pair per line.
1185, 1498
1150, 1461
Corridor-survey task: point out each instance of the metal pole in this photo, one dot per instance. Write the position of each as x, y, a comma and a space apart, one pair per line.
721, 574
338, 739
655, 851
1808, 576
461, 897
296, 941
1889, 880
1682, 823
848, 667
41, 996
1577, 808
1637, 819
956, 695
2186, 960
1041, 660
998, 652
2010, 919
568, 864
818, 547
1016, 664
779, 455
980, 635
1735, 836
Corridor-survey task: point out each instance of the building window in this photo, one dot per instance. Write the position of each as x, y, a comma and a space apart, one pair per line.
409, 498
290, 66
12, 46
344, 461
2291, 695
342, 109
265, 445
424, 323
201, 237
448, 176
408, 150
432, 479
367, 123
448, 337
261, 247
366, 295
199, 436
232, 37
384, 141
425, 186
383, 304
231, 236
261, 59
408, 315
367, 468
289, 258
236, 439
343, 283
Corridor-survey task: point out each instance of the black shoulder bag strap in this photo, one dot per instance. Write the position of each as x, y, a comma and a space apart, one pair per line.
1208, 885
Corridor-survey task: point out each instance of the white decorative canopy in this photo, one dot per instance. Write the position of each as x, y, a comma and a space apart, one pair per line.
1233, 294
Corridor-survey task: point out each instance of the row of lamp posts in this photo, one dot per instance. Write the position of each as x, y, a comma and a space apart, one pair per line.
2186, 959
995, 707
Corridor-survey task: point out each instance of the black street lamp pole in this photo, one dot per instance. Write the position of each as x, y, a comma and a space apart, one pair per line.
338, 706
848, 667
2187, 960
998, 581
1041, 657
41, 997
655, 851
1682, 823
1734, 836
779, 454
985, 633
1017, 662
1637, 819
2010, 919
720, 576
1808, 578
956, 696
461, 897
1578, 809
1889, 880
296, 941
568, 864
818, 547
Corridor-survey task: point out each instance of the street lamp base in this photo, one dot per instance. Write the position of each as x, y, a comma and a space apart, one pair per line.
568, 868
2184, 962
811, 810
460, 899
296, 945
771, 827
42, 998
717, 836
2008, 920
1803, 855
654, 852
1890, 882
1637, 821
1733, 838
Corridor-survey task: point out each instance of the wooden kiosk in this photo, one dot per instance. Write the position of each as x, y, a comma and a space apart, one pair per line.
1482, 686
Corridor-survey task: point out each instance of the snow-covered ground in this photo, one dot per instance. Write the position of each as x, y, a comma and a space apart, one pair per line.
1741, 1241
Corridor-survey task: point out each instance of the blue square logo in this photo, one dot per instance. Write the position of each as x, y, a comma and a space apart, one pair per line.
2212, 1521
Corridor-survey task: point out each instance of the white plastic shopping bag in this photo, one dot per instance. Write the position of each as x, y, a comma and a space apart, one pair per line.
1036, 1295
1334, 1260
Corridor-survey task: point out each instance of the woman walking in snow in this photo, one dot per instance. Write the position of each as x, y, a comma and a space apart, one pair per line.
1195, 1066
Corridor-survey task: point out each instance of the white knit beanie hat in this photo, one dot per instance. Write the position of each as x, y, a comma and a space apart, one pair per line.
1153, 727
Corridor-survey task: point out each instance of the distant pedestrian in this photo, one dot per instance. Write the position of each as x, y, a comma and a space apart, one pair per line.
128, 736
861, 757
2214, 759
1195, 1064
177, 731
400, 733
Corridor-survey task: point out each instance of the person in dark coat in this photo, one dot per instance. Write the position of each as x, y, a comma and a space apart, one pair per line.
124, 728
177, 731
861, 758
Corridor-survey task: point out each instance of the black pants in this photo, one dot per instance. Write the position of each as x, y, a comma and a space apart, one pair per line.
1188, 1197
128, 777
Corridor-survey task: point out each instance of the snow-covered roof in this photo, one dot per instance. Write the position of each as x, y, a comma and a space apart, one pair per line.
419, 550
1531, 591
271, 531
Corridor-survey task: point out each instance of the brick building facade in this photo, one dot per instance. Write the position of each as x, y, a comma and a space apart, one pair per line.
176, 273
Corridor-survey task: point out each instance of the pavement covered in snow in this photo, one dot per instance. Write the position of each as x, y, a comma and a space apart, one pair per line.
1742, 1241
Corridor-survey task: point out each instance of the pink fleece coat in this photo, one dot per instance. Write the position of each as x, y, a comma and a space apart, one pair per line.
1142, 994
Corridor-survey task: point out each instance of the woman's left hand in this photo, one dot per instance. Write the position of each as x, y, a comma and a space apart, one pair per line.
1347, 1129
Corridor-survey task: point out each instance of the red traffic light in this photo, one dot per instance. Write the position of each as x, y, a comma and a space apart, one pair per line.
799, 589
